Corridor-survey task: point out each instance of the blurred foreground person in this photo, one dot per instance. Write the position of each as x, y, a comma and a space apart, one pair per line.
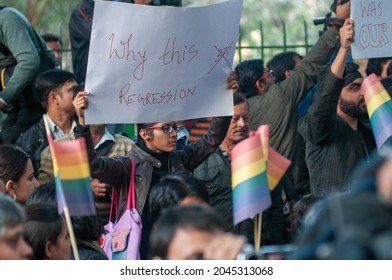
12, 244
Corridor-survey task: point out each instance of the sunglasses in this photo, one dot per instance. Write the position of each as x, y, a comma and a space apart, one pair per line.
270, 73
167, 128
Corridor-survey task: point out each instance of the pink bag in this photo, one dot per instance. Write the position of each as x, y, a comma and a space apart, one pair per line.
122, 238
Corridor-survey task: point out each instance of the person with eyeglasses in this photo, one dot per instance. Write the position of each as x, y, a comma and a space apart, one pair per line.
154, 155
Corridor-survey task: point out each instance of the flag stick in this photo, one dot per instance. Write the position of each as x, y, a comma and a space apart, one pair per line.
71, 233
257, 231
65, 208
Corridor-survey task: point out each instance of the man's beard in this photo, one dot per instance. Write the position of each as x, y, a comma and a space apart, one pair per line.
352, 109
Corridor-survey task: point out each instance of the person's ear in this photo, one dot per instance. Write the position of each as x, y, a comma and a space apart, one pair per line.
10, 188
49, 250
144, 135
261, 88
288, 73
52, 98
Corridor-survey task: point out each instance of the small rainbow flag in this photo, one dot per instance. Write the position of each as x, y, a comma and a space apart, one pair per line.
72, 177
251, 195
379, 107
277, 164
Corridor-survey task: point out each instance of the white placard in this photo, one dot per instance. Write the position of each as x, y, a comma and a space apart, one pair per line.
373, 28
152, 64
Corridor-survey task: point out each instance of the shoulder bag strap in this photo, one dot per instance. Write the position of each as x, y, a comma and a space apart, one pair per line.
131, 192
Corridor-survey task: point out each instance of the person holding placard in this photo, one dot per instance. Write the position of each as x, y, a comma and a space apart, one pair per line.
335, 135
154, 155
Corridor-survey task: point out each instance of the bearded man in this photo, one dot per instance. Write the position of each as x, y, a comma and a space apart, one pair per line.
336, 130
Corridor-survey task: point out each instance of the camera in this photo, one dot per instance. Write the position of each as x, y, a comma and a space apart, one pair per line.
248, 253
175, 3
269, 252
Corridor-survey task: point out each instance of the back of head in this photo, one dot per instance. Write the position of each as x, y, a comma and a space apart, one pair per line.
172, 189
44, 194
42, 224
387, 84
282, 62
49, 81
188, 217
11, 214
375, 65
247, 73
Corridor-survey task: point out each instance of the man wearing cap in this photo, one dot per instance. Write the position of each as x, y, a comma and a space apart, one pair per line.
335, 130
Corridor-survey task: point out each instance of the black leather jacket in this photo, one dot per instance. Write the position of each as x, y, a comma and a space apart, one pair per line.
34, 141
117, 171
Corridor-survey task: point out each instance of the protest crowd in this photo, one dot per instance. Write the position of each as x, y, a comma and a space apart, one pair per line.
307, 149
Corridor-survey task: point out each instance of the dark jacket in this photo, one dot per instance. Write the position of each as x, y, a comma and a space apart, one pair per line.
116, 171
278, 107
333, 148
215, 172
34, 141
80, 25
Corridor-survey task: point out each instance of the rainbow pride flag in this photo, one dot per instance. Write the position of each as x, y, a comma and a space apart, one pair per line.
251, 195
277, 164
72, 172
379, 107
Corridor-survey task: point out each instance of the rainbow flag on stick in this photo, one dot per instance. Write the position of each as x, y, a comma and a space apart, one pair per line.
72, 172
277, 164
72, 176
379, 107
251, 195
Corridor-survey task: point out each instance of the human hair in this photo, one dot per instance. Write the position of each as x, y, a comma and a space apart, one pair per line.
11, 214
141, 126
44, 194
49, 81
172, 189
374, 65
187, 217
43, 223
239, 99
13, 161
50, 37
86, 228
247, 73
298, 211
282, 62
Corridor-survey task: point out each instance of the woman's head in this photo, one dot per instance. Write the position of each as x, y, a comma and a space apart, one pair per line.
12, 244
47, 233
159, 137
16, 171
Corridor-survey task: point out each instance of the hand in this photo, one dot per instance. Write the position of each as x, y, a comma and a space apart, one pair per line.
232, 82
99, 189
224, 247
347, 34
343, 11
80, 103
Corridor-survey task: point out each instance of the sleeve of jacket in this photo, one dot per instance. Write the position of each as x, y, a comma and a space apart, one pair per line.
194, 154
110, 170
14, 35
294, 89
318, 126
